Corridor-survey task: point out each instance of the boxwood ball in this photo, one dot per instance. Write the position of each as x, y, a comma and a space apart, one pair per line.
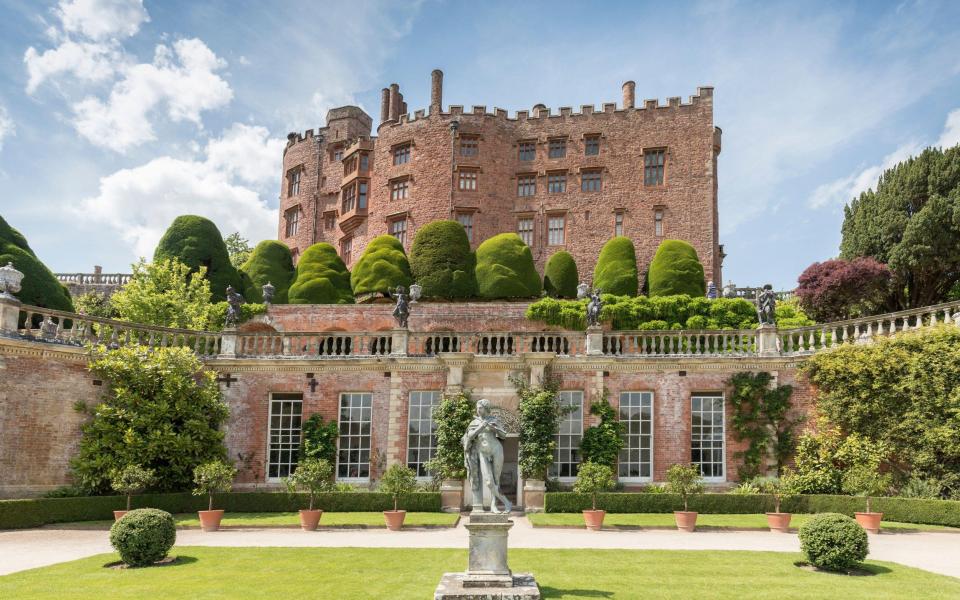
143, 536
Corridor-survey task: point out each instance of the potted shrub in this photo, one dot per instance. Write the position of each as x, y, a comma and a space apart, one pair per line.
314, 475
781, 488
684, 480
865, 480
398, 480
208, 479
593, 478
130, 480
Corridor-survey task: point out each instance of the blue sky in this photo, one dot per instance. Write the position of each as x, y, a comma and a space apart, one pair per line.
117, 115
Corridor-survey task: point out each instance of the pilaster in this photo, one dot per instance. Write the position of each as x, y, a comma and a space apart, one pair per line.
395, 420
9, 314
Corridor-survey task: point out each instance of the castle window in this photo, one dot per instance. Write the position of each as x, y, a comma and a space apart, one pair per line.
618, 223
337, 155
364, 162
285, 418
653, 161
466, 219
467, 180
422, 430
636, 415
401, 154
566, 455
706, 435
469, 145
527, 150
398, 229
558, 148
399, 189
350, 165
293, 178
353, 454
292, 217
590, 181
361, 194
349, 199
556, 226
525, 230
591, 145
556, 183
329, 220
526, 185
346, 249
658, 223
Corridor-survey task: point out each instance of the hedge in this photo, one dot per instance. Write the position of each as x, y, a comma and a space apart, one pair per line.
441, 261
270, 262
34, 512
382, 267
560, 277
676, 269
195, 241
321, 278
505, 268
39, 286
903, 510
616, 269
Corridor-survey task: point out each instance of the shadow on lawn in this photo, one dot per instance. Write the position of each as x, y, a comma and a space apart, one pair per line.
552, 592
864, 570
169, 562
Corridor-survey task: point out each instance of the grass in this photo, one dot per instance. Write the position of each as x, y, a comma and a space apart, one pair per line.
705, 521
208, 572
291, 519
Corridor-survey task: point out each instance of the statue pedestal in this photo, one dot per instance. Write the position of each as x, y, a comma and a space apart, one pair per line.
228, 343
767, 343
398, 342
9, 314
594, 340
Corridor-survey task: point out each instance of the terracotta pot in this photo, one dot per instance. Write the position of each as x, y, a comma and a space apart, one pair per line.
594, 519
210, 519
779, 522
394, 519
869, 521
309, 519
686, 520
118, 514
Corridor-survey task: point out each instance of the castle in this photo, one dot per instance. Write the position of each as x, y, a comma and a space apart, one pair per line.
562, 181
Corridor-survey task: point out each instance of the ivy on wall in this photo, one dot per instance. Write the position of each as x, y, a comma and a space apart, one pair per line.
540, 415
453, 416
760, 417
319, 439
601, 443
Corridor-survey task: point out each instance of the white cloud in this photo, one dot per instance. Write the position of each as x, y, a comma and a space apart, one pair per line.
247, 153
951, 131
93, 62
841, 191
6, 125
102, 19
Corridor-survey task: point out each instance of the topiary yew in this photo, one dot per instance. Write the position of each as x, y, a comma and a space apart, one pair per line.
321, 278
833, 541
616, 270
271, 262
505, 268
39, 286
143, 536
382, 267
560, 277
676, 270
196, 242
441, 261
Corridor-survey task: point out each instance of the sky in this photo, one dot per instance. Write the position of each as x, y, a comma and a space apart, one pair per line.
116, 116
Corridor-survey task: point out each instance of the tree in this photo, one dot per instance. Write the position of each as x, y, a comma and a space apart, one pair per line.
270, 262
616, 269
161, 409
676, 269
314, 475
781, 488
505, 268
540, 415
593, 478
130, 480
39, 286
211, 478
164, 293
196, 242
442, 263
684, 480
398, 481
94, 304
382, 267
238, 248
321, 278
560, 277
601, 443
912, 224
867, 481
843, 289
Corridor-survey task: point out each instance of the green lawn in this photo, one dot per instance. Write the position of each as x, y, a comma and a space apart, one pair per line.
413, 573
640, 520
291, 519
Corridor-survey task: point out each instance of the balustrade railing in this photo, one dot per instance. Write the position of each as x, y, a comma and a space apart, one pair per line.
94, 278
323, 344
680, 343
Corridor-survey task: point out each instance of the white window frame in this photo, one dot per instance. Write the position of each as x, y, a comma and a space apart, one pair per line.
723, 435
569, 440
467, 180
527, 235
398, 229
551, 229
358, 436
618, 223
643, 395
658, 222
466, 221
434, 396
294, 435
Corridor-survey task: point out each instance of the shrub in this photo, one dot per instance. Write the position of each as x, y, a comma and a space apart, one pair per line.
382, 267
165, 293
453, 416
319, 439
843, 289
321, 278
441, 261
94, 304
676, 269
833, 542
314, 475
760, 418
746, 488
616, 269
505, 268
39, 286
196, 242
540, 415
238, 248
271, 262
143, 536
601, 443
593, 478
130, 480
212, 477
684, 480
560, 277
865, 480
781, 488
921, 488
398, 481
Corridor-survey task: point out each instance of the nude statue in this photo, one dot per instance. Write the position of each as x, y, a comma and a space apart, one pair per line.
483, 457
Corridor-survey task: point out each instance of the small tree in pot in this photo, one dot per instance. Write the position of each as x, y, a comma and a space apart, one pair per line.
593, 478
208, 479
397, 481
685, 480
314, 475
781, 488
130, 480
866, 480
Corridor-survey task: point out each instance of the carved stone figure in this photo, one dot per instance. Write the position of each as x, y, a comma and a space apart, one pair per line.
49, 329
402, 311
767, 305
483, 457
268, 291
711, 290
583, 290
593, 309
234, 301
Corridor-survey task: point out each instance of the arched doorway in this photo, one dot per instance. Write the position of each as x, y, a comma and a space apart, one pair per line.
510, 481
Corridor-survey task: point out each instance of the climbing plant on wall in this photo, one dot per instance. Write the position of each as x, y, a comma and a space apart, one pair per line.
319, 439
453, 416
540, 414
601, 443
760, 418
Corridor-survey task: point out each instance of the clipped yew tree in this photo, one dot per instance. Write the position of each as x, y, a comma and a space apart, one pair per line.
442, 263
39, 286
196, 242
560, 277
321, 278
382, 267
616, 270
505, 268
676, 269
271, 262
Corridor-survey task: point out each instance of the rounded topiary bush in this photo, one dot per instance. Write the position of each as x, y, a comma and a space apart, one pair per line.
616, 270
505, 268
833, 542
196, 242
39, 286
321, 278
441, 261
382, 267
560, 277
143, 536
271, 262
676, 269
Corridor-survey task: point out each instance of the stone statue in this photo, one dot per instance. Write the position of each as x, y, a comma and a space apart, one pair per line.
711, 290
234, 300
483, 457
593, 309
583, 290
730, 290
268, 290
767, 305
402, 311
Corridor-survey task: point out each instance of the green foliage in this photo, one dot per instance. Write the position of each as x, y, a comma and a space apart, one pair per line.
321, 278
238, 248
746, 488
789, 315
319, 439
865, 480
601, 443
164, 293
505, 268
781, 488
593, 478
903, 390
39, 286
684, 480
616, 269
397, 481
218, 314
442, 263
94, 304
212, 477
196, 242
271, 262
560, 277
453, 416
917, 487
540, 416
760, 418
161, 409
143, 536
826, 454
382, 267
676, 269
833, 542
130, 480
314, 475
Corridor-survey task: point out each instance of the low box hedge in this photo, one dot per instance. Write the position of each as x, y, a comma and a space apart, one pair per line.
904, 510
34, 512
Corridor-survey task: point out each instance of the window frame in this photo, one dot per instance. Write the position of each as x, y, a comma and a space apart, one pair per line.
643, 395
472, 146
591, 140
330, 220
712, 447
294, 176
431, 450
292, 446
563, 229
467, 227
660, 169
341, 437
560, 181
402, 238
522, 232
401, 153
291, 226
658, 214
527, 146
346, 249
557, 147
468, 177
572, 438
399, 189
618, 222
591, 178
526, 182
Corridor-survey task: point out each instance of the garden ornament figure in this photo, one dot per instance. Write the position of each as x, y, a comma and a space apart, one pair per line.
416, 290
402, 311
767, 305
583, 290
593, 309
49, 329
10, 279
234, 300
268, 291
483, 457
711, 290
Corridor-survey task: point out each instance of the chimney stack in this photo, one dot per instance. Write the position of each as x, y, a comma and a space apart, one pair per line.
394, 102
629, 94
403, 107
384, 104
436, 92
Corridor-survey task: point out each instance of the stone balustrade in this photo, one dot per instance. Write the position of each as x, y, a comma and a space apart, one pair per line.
116, 279
680, 343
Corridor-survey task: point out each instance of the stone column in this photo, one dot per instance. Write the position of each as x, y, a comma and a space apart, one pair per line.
594, 341
629, 94
394, 102
767, 341
9, 314
384, 104
455, 363
398, 341
436, 92
395, 422
228, 343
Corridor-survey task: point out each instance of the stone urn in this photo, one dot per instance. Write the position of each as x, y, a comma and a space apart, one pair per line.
779, 522
869, 521
310, 519
686, 520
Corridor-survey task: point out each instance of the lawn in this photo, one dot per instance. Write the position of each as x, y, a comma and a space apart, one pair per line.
291, 519
207, 572
652, 520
